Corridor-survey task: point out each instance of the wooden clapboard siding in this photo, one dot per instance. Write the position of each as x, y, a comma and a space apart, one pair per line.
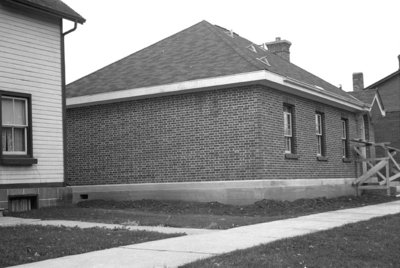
30, 62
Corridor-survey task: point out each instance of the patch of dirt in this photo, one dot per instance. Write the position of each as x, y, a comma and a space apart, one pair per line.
263, 207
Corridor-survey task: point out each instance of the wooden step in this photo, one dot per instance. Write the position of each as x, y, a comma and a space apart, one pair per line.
372, 187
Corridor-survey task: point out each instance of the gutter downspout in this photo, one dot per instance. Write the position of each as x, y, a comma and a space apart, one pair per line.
70, 31
64, 98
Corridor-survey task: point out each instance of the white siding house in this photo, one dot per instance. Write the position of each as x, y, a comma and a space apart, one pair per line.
32, 102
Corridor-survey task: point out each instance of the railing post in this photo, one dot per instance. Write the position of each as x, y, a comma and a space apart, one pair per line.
387, 171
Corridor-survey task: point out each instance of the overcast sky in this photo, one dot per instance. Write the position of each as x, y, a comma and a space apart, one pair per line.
331, 39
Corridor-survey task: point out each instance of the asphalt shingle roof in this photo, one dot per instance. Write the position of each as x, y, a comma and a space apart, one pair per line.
200, 51
365, 95
53, 6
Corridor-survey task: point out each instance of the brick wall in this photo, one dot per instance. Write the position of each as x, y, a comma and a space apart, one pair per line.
229, 134
387, 129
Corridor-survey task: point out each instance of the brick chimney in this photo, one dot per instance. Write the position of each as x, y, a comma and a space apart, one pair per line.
280, 48
358, 81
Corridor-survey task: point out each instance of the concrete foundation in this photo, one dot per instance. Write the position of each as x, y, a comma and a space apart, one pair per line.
40, 196
228, 192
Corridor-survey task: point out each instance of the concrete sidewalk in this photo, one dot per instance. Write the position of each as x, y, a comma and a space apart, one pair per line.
177, 251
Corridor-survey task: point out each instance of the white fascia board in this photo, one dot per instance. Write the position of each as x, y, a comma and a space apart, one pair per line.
378, 101
264, 77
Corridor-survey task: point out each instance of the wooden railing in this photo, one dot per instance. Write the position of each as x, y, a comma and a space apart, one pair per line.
377, 173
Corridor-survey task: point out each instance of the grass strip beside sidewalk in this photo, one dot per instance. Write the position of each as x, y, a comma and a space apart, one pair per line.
30, 243
373, 243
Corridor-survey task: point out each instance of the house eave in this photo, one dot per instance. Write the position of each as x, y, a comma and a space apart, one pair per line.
74, 18
263, 77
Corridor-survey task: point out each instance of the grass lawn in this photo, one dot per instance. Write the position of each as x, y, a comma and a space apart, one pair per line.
373, 243
212, 215
31, 243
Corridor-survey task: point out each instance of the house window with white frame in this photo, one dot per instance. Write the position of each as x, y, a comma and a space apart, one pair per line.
14, 123
319, 131
16, 129
345, 140
288, 129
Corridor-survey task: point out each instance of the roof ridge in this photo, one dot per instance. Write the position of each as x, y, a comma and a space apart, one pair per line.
234, 46
255, 63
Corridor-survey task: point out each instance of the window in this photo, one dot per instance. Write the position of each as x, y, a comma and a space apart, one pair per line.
289, 131
16, 130
319, 131
345, 139
14, 125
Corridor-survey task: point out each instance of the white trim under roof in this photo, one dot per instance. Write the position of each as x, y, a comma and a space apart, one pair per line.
263, 77
378, 101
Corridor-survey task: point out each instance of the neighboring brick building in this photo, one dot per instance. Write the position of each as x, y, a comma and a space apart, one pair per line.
387, 126
207, 115
32, 102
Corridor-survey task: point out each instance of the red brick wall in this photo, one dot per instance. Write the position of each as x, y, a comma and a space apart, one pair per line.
230, 134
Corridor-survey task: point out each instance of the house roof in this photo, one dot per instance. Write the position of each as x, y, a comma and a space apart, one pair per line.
55, 7
200, 51
366, 95
383, 80
370, 96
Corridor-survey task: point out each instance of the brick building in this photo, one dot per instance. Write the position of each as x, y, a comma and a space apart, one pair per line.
387, 125
207, 115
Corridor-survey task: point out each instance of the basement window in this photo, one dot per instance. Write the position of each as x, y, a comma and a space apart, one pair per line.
264, 60
22, 203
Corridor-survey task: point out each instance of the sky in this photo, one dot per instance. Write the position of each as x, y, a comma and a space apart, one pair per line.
331, 39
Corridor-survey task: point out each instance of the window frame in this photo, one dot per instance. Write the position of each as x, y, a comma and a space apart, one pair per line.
14, 126
320, 135
18, 158
345, 138
289, 131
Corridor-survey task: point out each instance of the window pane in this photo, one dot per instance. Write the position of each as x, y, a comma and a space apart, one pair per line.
288, 145
344, 129
19, 139
287, 124
7, 111
6, 139
19, 112
319, 145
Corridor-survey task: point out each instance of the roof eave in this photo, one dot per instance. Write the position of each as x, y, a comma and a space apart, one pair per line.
57, 13
264, 77
374, 85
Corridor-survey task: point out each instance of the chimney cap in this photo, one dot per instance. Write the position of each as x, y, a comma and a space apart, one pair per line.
277, 41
